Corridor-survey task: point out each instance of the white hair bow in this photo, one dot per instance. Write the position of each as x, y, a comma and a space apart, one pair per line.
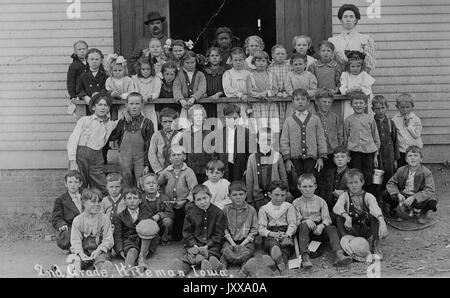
120, 60
168, 44
189, 44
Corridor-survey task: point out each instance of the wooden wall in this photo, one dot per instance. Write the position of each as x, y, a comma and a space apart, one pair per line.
36, 39
413, 55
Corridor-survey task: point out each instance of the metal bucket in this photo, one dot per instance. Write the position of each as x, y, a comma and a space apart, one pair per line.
377, 176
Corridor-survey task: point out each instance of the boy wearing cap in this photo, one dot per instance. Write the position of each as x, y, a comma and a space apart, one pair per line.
358, 213
134, 235
203, 234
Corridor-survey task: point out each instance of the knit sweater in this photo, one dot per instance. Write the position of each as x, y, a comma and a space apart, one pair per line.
180, 87
178, 187
293, 140
251, 175
156, 152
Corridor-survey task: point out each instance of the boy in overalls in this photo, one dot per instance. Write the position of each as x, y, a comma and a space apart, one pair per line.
134, 141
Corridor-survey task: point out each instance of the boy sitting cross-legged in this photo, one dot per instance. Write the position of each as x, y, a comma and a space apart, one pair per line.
277, 223
240, 232
203, 234
411, 186
358, 213
129, 243
315, 222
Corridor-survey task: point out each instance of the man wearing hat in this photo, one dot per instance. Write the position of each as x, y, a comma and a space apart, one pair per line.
156, 22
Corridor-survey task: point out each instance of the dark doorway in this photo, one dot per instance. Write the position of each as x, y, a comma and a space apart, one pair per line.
188, 18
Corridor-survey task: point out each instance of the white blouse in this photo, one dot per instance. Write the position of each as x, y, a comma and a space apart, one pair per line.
354, 41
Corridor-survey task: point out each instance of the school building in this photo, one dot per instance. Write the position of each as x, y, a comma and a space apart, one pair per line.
413, 55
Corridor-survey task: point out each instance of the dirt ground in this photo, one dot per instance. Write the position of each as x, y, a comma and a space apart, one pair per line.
423, 253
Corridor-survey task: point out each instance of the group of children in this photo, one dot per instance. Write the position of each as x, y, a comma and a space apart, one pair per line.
314, 182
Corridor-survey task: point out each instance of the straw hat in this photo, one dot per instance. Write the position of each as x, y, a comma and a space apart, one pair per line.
356, 247
147, 229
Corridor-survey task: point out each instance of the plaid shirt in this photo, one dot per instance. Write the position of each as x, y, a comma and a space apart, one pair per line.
280, 71
334, 130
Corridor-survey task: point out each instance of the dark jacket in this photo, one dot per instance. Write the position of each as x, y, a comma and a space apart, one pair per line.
125, 228
160, 207
325, 183
64, 211
87, 84
244, 143
424, 188
76, 69
146, 131
389, 149
204, 227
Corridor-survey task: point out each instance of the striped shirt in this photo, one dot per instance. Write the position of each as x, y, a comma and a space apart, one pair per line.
315, 209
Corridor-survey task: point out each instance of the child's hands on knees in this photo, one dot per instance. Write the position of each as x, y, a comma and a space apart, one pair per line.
63, 228
95, 254
348, 222
409, 201
84, 257
184, 103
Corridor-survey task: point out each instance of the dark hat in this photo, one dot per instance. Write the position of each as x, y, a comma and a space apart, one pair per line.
221, 30
154, 16
351, 7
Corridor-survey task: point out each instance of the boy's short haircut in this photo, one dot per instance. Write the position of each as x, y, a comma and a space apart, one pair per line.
299, 92
149, 175
404, 97
91, 193
132, 190
113, 177
351, 173
298, 56
99, 96
414, 149
276, 47
135, 94
216, 164
169, 113
260, 55
80, 41
75, 174
304, 177
256, 38
380, 99
231, 108
237, 185
323, 93
194, 108
237, 51
357, 95
200, 188
341, 149
278, 184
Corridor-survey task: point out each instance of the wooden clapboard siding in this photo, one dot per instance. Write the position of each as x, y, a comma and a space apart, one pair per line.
36, 39
413, 55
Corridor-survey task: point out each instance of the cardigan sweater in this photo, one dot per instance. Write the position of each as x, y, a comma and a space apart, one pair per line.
251, 175
178, 187
306, 141
181, 89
